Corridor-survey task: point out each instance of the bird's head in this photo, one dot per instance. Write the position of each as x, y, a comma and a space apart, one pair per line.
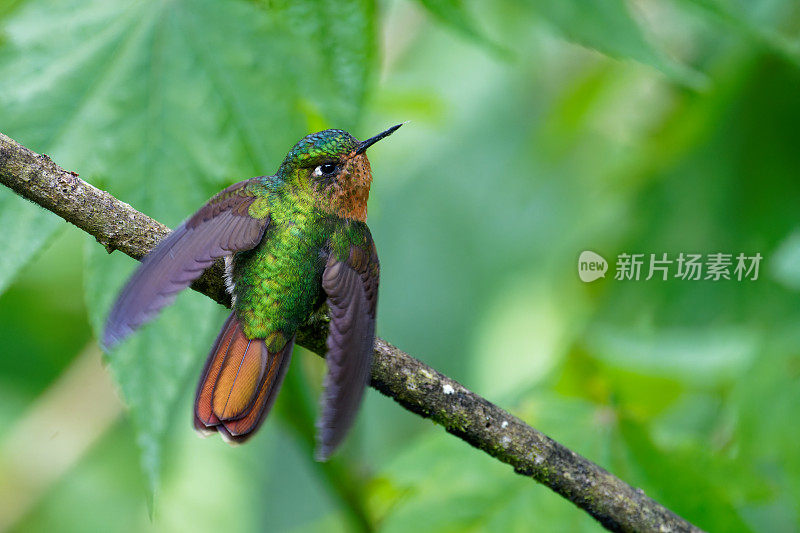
334, 165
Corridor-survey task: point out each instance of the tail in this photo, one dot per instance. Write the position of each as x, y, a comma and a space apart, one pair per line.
239, 383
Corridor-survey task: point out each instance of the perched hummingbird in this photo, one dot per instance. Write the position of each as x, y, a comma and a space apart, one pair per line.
291, 243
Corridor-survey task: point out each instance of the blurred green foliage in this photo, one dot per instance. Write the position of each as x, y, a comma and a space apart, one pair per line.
538, 130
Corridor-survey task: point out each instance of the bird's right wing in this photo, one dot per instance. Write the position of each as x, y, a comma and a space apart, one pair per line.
351, 285
226, 224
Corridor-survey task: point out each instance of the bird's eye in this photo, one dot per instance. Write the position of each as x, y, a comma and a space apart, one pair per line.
326, 169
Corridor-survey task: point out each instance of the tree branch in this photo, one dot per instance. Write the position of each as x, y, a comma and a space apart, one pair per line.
414, 385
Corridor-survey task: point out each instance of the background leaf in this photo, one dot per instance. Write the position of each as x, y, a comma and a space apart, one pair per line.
209, 112
609, 27
453, 13
27, 228
756, 20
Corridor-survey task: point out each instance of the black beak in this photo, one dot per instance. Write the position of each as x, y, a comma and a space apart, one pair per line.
372, 140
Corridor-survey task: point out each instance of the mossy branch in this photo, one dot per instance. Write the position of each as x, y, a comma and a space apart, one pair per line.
410, 382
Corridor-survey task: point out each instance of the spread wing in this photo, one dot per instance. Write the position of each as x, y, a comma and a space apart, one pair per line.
352, 289
221, 227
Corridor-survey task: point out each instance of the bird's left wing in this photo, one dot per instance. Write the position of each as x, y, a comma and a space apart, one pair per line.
223, 226
352, 289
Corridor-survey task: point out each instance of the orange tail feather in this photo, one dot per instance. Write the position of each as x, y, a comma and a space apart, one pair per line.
239, 383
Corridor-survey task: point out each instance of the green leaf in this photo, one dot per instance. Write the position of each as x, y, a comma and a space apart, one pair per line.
453, 14
608, 27
344, 34
751, 19
765, 404
26, 229
450, 486
166, 103
701, 493
151, 367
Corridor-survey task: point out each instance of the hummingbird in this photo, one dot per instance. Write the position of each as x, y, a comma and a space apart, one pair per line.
292, 242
